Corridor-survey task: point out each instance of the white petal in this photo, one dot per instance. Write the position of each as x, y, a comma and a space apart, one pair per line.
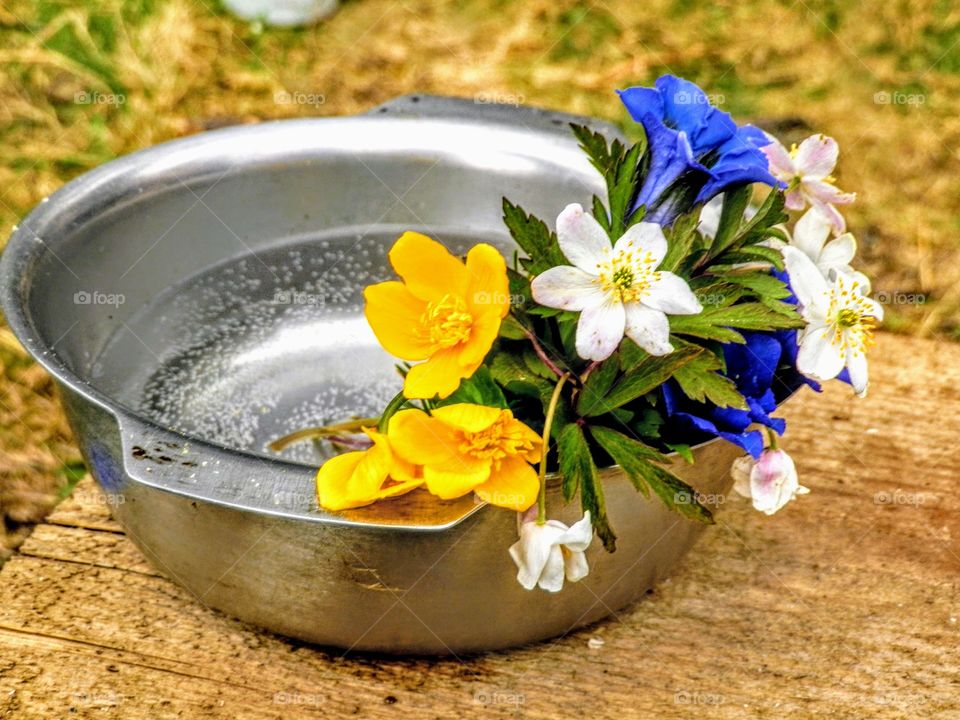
811, 232
817, 156
532, 551
807, 281
649, 329
670, 293
575, 566
600, 329
781, 164
857, 367
838, 252
579, 535
567, 288
773, 481
740, 472
818, 357
582, 240
645, 237
551, 579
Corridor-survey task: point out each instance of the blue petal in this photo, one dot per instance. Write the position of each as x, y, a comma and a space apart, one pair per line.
751, 440
752, 365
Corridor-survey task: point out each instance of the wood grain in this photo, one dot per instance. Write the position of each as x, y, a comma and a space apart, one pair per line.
845, 605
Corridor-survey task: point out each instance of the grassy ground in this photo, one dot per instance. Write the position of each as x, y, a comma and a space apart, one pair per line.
83, 82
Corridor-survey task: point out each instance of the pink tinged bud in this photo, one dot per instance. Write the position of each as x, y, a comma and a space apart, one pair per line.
774, 481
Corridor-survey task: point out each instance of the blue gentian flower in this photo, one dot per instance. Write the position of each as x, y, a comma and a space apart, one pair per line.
753, 368
695, 150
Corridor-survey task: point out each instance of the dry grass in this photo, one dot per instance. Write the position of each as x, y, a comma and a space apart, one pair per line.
182, 66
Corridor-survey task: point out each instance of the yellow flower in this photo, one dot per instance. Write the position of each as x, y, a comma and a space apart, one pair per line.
465, 448
359, 478
444, 312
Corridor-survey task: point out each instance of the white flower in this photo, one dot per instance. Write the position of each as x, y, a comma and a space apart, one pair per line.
806, 170
547, 553
810, 235
616, 289
840, 321
770, 482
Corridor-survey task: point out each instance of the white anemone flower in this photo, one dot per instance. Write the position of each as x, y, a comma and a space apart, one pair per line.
618, 290
546, 554
840, 321
806, 171
810, 235
770, 482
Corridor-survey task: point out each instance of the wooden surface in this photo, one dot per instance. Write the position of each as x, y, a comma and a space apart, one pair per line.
845, 605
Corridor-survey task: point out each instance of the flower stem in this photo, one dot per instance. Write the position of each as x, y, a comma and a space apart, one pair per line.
547, 426
351, 426
773, 439
399, 400
541, 353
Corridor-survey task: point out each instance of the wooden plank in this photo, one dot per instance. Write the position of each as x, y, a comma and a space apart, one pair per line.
846, 605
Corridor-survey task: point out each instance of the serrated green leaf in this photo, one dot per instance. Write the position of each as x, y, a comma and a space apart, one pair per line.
640, 462
700, 381
478, 389
534, 238
646, 376
731, 218
681, 237
580, 472
598, 384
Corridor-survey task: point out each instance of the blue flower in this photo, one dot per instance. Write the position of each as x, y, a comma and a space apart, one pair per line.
695, 150
753, 368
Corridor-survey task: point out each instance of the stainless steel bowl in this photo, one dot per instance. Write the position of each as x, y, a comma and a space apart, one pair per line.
198, 299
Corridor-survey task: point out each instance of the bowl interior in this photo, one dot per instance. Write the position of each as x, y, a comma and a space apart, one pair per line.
214, 285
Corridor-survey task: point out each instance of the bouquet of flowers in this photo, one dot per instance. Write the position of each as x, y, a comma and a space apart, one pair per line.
672, 311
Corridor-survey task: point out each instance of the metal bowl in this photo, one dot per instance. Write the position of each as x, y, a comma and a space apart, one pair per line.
199, 299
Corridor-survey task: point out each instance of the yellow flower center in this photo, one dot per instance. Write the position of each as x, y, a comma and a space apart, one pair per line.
446, 322
851, 316
502, 439
628, 274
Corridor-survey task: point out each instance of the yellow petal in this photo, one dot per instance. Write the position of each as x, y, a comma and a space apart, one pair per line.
468, 417
400, 488
420, 439
514, 485
515, 427
394, 314
440, 375
457, 478
354, 479
427, 267
488, 289
483, 332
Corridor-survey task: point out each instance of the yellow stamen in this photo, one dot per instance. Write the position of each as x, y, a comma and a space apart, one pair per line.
446, 322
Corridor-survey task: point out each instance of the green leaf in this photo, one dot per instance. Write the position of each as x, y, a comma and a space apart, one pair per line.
700, 381
511, 329
761, 284
731, 217
619, 167
646, 376
579, 471
715, 323
534, 238
683, 450
598, 384
681, 237
478, 389
640, 462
